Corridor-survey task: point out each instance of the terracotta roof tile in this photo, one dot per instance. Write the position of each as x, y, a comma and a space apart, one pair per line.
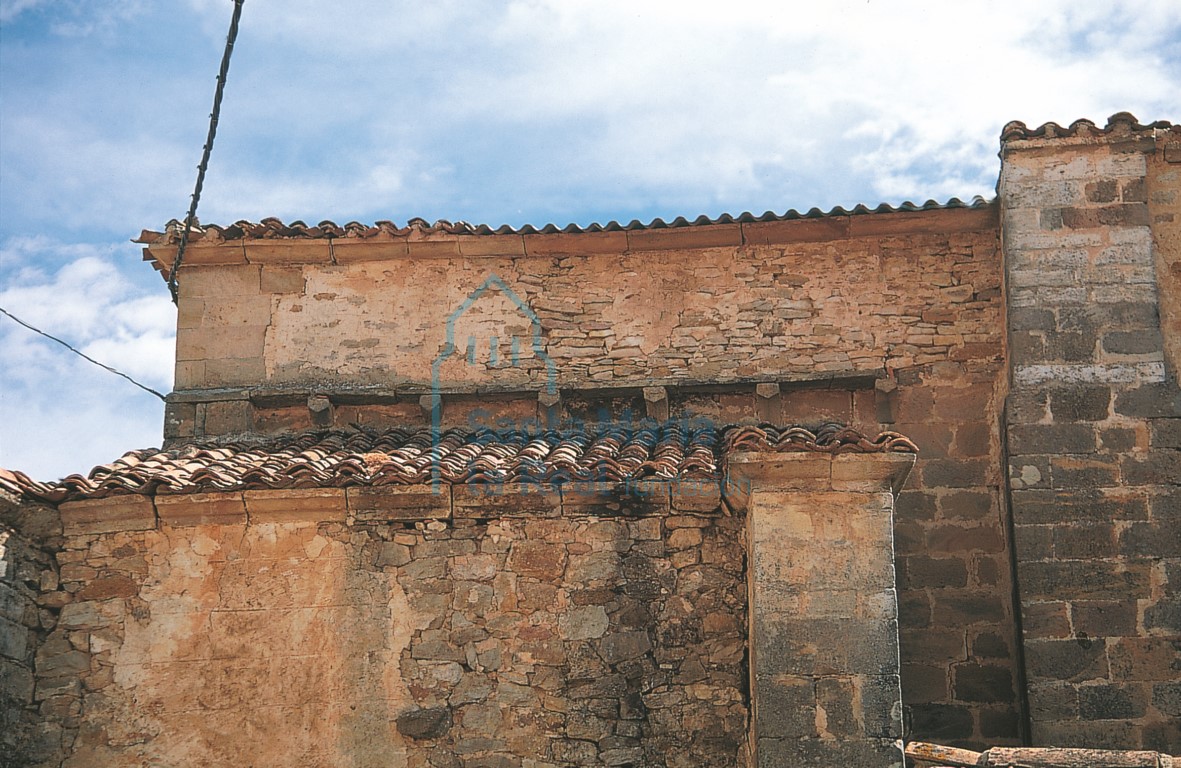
404, 457
1120, 121
275, 229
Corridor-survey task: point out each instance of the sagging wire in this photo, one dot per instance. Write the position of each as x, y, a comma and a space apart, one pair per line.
208, 149
83, 355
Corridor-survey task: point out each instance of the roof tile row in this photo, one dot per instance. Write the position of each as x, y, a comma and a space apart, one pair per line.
611, 453
272, 228
1120, 122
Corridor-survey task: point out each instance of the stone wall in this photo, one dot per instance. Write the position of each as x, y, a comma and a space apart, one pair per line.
1093, 431
395, 626
1163, 187
881, 321
705, 304
28, 613
959, 671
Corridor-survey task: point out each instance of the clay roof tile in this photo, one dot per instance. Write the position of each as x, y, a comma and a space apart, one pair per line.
273, 228
398, 456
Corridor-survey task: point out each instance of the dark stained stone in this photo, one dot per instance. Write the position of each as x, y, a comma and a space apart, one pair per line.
425, 723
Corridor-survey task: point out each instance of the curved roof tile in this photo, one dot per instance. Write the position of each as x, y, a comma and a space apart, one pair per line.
1120, 121
272, 228
404, 457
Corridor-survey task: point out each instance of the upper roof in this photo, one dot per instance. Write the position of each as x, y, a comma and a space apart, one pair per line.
275, 229
609, 453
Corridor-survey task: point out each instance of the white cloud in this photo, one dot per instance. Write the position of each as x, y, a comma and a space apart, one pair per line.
11, 9
613, 102
68, 429
61, 413
69, 171
88, 303
75, 18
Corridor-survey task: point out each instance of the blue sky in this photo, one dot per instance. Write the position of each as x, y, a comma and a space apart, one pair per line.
532, 111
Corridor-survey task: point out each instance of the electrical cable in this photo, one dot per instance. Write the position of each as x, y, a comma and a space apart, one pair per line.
82, 354
207, 150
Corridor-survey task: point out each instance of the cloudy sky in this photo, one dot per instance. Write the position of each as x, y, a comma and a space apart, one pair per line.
525, 111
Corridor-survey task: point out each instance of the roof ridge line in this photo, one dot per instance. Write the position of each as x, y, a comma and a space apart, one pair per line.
272, 228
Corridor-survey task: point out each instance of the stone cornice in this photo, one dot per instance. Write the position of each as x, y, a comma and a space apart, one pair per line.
211, 248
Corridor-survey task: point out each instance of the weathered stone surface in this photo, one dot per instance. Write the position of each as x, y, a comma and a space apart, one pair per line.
399, 502
116, 513
821, 649
653, 331
1091, 243
758, 307
310, 505
490, 639
424, 723
538, 560
1087, 530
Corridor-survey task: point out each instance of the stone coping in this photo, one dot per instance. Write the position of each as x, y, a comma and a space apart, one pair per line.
391, 503
868, 473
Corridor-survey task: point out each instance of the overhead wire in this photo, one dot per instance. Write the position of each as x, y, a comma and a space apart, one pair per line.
207, 150
81, 354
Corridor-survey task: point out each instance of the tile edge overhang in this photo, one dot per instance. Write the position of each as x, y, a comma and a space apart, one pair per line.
275, 242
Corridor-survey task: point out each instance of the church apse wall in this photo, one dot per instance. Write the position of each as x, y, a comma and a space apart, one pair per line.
491, 497
888, 320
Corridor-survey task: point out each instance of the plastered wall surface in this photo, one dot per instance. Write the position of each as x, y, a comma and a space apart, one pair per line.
701, 314
517, 642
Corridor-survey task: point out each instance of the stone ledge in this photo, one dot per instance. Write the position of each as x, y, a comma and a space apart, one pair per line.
807, 471
866, 473
407, 503
408, 392
201, 509
293, 505
828, 227
114, 513
399, 502
484, 501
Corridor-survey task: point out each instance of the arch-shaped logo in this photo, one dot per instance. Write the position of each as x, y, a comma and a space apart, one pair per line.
501, 350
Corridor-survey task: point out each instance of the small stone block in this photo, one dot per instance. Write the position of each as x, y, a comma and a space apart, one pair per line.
201, 509
114, 513
655, 394
871, 471
632, 499
296, 505
767, 389
656, 403
506, 500
780, 470
695, 495
400, 502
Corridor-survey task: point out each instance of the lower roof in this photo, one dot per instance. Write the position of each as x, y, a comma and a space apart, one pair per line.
333, 459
